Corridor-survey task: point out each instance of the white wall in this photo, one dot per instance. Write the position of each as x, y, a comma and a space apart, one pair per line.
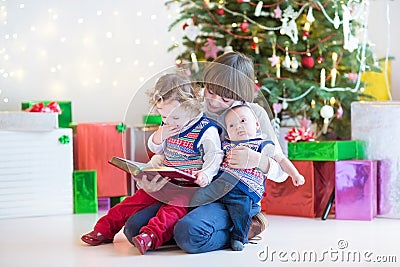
99, 53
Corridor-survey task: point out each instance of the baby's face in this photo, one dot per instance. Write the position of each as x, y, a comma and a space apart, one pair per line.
241, 124
172, 113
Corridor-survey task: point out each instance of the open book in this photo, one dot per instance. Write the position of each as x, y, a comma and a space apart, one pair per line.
138, 169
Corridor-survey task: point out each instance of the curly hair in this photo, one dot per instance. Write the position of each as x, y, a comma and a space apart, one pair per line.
173, 86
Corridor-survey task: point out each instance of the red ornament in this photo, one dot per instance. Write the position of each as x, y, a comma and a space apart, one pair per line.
306, 34
307, 62
240, 1
220, 11
244, 26
320, 59
184, 26
253, 45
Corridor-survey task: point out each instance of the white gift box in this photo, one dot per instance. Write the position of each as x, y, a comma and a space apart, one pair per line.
29, 121
36, 170
378, 124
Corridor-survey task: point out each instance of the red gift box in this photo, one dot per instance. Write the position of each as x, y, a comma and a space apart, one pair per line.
308, 200
94, 145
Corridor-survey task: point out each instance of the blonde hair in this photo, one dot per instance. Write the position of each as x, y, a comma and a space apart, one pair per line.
177, 87
231, 75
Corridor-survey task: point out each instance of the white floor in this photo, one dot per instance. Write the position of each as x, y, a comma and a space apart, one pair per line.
55, 241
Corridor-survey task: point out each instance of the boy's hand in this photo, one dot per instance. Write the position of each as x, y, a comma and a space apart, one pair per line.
164, 132
201, 179
298, 180
243, 158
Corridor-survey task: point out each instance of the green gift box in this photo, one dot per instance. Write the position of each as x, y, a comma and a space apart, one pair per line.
325, 150
85, 191
64, 119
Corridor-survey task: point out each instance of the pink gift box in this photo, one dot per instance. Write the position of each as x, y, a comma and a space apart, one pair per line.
103, 203
356, 189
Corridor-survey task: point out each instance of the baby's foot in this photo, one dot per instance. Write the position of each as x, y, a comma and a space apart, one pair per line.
236, 245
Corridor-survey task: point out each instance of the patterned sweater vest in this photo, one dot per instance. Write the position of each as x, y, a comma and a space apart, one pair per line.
182, 151
250, 181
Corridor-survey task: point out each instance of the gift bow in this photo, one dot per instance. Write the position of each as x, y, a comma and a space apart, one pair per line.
64, 139
301, 134
52, 107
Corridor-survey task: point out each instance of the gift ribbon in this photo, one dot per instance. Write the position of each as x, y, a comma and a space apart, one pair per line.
301, 134
52, 107
121, 127
64, 139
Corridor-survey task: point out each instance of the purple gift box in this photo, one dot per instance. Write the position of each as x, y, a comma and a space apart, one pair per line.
104, 203
356, 189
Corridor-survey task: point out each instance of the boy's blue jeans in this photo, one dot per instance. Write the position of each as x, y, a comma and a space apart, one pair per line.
206, 228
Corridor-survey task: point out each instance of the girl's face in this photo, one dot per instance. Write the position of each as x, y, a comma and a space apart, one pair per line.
241, 124
215, 103
172, 113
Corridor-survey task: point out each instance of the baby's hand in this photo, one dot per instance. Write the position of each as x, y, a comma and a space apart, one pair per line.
201, 179
298, 180
164, 132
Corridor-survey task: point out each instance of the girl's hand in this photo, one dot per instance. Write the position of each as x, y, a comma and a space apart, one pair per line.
154, 185
164, 132
298, 180
201, 179
243, 158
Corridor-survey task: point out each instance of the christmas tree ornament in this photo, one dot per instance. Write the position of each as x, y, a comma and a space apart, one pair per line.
220, 11
352, 76
228, 49
277, 12
195, 64
254, 45
333, 77
276, 122
310, 17
257, 11
192, 32
285, 104
320, 59
278, 69
294, 65
336, 20
327, 113
307, 61
274, 60
244, 26
306, 30
339, 112
289, 26
210, 49
334, 59
322, 78
287, 61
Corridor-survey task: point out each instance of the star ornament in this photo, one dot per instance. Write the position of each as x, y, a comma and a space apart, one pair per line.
210, 48
278, 12
274, 60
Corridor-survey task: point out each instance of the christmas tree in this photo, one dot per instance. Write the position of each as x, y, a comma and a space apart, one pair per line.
309, 55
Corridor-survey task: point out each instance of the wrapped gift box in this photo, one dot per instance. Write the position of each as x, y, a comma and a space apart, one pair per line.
356, 189
376, 123
35, 173
28, 121
64, 119
85, 192
308, 200
323, 150
103, 203
95, 144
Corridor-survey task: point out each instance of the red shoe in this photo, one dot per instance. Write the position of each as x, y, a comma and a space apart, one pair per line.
143, 242
95, 238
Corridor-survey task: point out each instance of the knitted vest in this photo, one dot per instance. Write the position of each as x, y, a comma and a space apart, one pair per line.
250, 181
182, 151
